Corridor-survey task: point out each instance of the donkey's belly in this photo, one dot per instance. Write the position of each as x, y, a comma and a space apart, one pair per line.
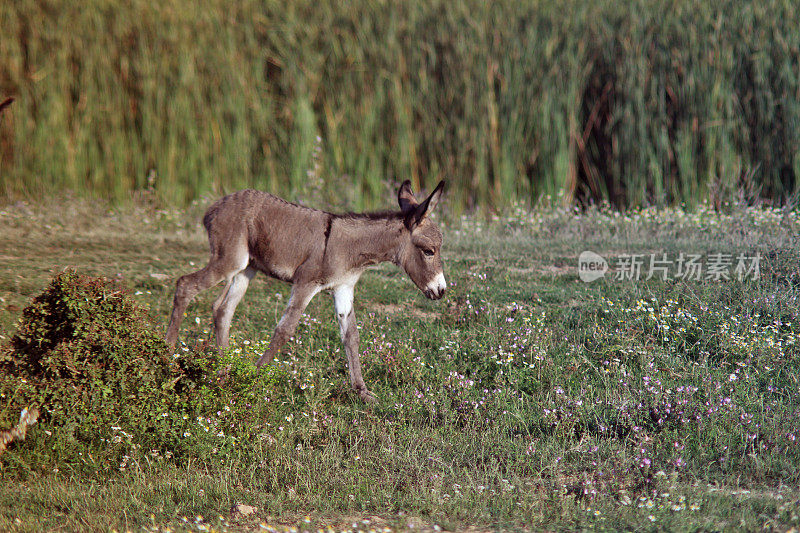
277, 271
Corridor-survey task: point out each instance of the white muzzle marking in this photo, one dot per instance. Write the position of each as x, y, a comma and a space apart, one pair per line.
435, 289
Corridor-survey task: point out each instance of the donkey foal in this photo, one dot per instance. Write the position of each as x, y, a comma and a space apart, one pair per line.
251, 231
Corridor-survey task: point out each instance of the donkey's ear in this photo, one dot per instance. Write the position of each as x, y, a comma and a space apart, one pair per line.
405, 197
423, 209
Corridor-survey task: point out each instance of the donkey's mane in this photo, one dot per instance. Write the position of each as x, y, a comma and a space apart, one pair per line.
375, 215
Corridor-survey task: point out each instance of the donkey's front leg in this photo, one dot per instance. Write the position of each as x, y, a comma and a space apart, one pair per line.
343, 301
301, 295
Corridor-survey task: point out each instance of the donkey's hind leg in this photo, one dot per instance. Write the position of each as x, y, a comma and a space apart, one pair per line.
188, 287
227, 302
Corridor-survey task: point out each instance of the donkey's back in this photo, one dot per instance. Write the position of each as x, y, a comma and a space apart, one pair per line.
259, 229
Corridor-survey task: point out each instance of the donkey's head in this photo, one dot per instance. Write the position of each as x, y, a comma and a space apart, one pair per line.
419, 254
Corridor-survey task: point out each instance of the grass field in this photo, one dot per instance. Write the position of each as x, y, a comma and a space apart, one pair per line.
526, 399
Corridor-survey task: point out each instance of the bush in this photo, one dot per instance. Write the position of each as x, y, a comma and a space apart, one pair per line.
86, 355
106, 384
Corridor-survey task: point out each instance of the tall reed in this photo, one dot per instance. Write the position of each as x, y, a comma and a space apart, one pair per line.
633, 102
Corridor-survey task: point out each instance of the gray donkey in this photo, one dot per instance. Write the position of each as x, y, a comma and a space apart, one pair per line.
251, 231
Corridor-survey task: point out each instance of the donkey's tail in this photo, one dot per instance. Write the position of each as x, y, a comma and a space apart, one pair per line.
213, 211
210, 215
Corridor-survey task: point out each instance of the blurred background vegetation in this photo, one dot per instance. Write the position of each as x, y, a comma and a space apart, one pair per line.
640, 102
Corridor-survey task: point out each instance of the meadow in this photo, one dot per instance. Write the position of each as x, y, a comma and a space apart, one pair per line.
661, 396
525, 399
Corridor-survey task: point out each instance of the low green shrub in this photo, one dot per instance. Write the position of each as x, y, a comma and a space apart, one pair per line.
86, 355
108, 387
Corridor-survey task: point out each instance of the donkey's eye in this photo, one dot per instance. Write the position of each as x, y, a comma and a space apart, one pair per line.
428, 252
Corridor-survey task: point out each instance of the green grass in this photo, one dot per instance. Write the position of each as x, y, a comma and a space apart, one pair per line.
526, 399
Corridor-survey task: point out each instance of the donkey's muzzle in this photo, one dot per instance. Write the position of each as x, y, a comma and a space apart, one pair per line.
432, 294
436, 288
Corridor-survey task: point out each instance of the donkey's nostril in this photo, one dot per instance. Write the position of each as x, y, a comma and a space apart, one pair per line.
434, 294
436, 287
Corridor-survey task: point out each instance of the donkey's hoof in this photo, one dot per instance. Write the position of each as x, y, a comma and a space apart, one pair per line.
366, 395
